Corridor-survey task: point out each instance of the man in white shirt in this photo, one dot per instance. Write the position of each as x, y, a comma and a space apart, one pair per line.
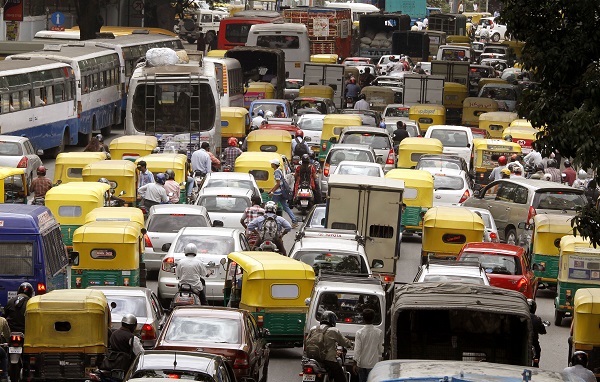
191, 270
362, 103
201, 161
368, 346
154, 193
258, 120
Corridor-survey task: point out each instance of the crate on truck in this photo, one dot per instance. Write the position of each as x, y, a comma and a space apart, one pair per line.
423, 89
329, 29
452, 24
331, 75
375, 33
414, 44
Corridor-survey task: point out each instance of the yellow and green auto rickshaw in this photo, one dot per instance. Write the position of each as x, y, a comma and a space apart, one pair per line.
13, 185
324, 58
274, 289
68, 166
454, 96
548, 230
107, 253
70, 337
323, 91
427, 115
447, 229
473, 107
417, 196
256, 91
235, 122
578, 267
157, 163
333, 124
485, 156
259, 165
523, 135
131, 147
71, 202
586, 321
122, 175
411, 149
496, 121
270, 141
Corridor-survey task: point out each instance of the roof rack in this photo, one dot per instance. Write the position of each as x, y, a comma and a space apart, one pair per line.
349, 278
330, 233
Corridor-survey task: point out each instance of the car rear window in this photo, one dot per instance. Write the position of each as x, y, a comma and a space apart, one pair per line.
235, 183
337, 156
348, 307
558, 200
214, 245
318, 218
10, 149
174, 374
442, 182
224, 203
495, 264
313, 124
375, 141
332, 261
359, 170
451, 138
396, 112
436, 163
453, 278
126, 304
203, 329
501, 93
174, 222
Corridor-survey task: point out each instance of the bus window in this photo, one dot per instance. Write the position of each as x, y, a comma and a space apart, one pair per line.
237, 33
278, 41
25, 99
49, 95
5, 103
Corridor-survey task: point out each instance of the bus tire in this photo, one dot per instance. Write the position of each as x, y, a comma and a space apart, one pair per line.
106, 130
209, 38
61, 147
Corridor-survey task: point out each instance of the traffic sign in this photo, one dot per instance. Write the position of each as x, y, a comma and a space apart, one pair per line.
57, 18
138, 5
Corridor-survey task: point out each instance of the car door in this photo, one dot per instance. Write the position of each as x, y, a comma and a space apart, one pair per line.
258, 348
503, 206
158, 313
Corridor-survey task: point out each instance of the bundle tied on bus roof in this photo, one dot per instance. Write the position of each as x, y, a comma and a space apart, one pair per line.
165, 57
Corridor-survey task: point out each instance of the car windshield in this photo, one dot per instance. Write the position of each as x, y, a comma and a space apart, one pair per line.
175, 222
359, 170
559, 200
336, 156
313, 124
437, 163
217, 245
234, 183
348, 307
332, 261
310, 104
224, 203
494, 264
504, 94
453, 278
367, 119
126, 304
396, 112
318, 218
174, 374
264, 107
443, 182
450, 137
10, 149
203, 329
375, 141
494, 50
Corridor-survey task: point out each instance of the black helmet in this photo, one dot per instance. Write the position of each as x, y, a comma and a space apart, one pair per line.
539, 167
25, 288
532, 305
170, 174
328, 318
161, 178
579, 358
362, 96
567, 163
305, 158
551, 163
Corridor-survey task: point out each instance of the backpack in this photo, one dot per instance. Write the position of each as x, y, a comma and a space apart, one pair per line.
315, 343
300, 148
270, 229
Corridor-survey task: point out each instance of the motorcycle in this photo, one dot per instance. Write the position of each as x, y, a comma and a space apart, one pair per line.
305, 198
312, 370
15, 350
185, 296
267, 246
350, 102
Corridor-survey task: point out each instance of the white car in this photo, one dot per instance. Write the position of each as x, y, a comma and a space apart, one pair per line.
450, 187
497, 31
491, 231
18, 152
230, 179
452, 271
226, 204
213, 245
349, 167
457, 140
312, 127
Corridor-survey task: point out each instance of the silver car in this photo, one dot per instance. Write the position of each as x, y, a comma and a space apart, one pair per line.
226, 204
376, 138
230, 179
491, 232
18, 152
213, 245
341, 152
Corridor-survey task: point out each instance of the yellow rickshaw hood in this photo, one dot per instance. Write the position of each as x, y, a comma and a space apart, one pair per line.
108, 232
77, 192
131, 214
9, 171
134, 142
271, 265
456, 218
82, 158
267, 135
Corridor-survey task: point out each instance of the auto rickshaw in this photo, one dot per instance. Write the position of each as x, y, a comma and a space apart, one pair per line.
235, 122
324, 58
417, 196
454, 96
333, 124
69, 165
70, 336
586, 321
127, 214
157, 163
107, 253
71, 202
258, 90
447, 229
496, 121
548, 229
379, 97
274, 289
578, 267
219, 53
13, 185
270, 141
517, 47
259, 165
411, 149
427, 115
122, 175
323, 91
473, 107
131, 147
524, 136
485, 156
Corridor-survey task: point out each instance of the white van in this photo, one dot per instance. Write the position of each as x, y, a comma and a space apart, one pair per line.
457, 140
291, 38
454, 53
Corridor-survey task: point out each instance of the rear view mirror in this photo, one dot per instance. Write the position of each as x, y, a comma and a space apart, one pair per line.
379, 160
165, 247
539, 267
333, 140
377, 263
307, 301
217, 223
74, 258
143, 231
523, 225
223, 261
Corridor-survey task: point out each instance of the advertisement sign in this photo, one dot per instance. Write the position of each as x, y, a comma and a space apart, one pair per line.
13, 10
584, 268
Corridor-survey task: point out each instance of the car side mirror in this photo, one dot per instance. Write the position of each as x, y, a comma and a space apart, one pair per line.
468, 145
377, 263
74, 258
40, 153
523, 225
143, 231
333, 140
307, 301
217, 223
539, 267
165, 247
379, 160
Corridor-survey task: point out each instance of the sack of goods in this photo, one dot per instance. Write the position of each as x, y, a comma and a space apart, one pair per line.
164, 57
381, 40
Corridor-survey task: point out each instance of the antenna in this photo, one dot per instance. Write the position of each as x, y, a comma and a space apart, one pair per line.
174, 360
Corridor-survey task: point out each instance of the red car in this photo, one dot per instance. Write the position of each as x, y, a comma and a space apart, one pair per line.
292, 129
231, 333
506, 266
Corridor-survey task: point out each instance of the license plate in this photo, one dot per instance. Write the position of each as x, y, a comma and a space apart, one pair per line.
15, 350
309, 377
304, 203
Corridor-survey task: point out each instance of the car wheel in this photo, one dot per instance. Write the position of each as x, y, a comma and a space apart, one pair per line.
558, 317
496, 37
511, 237
191, 40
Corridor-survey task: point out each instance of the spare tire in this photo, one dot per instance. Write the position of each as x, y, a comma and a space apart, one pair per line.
189, 25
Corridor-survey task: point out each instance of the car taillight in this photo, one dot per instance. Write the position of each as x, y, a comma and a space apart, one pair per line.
41, 288
530, 215
23, 163
464, 196
168, 264
387, 278
494, 237
390, 158
491, 24
147, 333
147, 242
241, 360
522, 284
326, 169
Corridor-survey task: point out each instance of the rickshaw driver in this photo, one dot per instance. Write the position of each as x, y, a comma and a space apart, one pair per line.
172, 187
109, 196
14, 311
123, 345
191, 270
260, 225
41, 184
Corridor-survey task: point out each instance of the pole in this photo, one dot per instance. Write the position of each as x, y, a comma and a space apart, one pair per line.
2, 25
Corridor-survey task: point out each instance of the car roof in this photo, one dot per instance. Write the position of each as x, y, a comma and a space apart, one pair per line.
311, 116
13, 138
537, 184
358, 163
230, 191
207, 311
230, 175
368, 129
445, 171
482, 211
122, 291
209, 231
188, 209
499, 249
350, 146
345, 284
448, 157
164, 359
450, 127
458, 270
508, 86
327, 243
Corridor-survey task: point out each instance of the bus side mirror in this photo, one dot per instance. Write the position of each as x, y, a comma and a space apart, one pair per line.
74, 258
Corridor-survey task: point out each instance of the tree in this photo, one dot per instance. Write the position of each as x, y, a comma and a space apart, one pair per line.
562, 51
89, 18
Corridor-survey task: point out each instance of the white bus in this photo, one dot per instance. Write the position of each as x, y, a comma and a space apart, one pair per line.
357, 9
230, 79
179, 104
291, 38
98, 90
37, 100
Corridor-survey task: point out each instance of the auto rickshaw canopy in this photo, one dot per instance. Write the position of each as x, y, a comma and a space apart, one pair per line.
323, 91
122, 175
130, 147
69, 165
259, 165
454, 218
447, 229
496, 145
411, 149
167, 161
577, 257
235, 121
108, 232
548, 230
22, 192
266, 135
127, 214
418, 186
324, 58
71, 202
473, 107
586, 317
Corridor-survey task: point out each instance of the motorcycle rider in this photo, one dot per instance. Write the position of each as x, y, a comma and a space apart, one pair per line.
103, 147
41, 184
362, 103
539, 172
582, 180
110, 196
283, 227
579, 362
14, 311
552, 169
258, 120
299, 145
571, 175
191, 270
172, 187
154, 193
123, 345
496, 172
231, 152
352, 90
332, 338
306, 172
4, 337
538, 328
201, 162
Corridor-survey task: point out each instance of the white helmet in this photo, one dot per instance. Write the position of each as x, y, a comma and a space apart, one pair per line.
190, 249
269, 114
582, 174
271, 207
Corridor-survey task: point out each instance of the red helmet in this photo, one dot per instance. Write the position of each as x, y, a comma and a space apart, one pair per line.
232, 141
299, 133
41, 170
502, 161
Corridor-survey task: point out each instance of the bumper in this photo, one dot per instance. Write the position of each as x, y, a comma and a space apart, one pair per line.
153, 259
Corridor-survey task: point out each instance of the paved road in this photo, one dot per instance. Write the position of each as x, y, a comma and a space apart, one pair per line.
285, 363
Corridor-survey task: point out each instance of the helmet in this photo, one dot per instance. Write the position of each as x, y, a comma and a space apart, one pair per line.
532, 305
253, 127
232, 141
502, 160
300, 133
100, 137
104, 180
170, 174
551, 163
579, 358
41, 170
25, 288
161, 178
270, 206
567, 163
505, 171
362, 96
539, 167
129, 321
582, 174
269, 114
352, 80
547, 177
190, 249
261, 113
305, 158
156, 150
328, 318
508, 137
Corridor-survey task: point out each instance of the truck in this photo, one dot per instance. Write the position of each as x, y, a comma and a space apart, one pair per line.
414, 44
326, 74
452, 24
420, 89
416, 9
202, 21
375, 33
352, 202
452, 71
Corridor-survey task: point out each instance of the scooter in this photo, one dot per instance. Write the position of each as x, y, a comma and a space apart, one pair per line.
185, 296
305, 198
15, 350
312, 370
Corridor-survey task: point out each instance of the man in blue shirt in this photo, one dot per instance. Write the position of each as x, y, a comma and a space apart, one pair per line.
276, 194
201, 160
145, 176
283, 227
